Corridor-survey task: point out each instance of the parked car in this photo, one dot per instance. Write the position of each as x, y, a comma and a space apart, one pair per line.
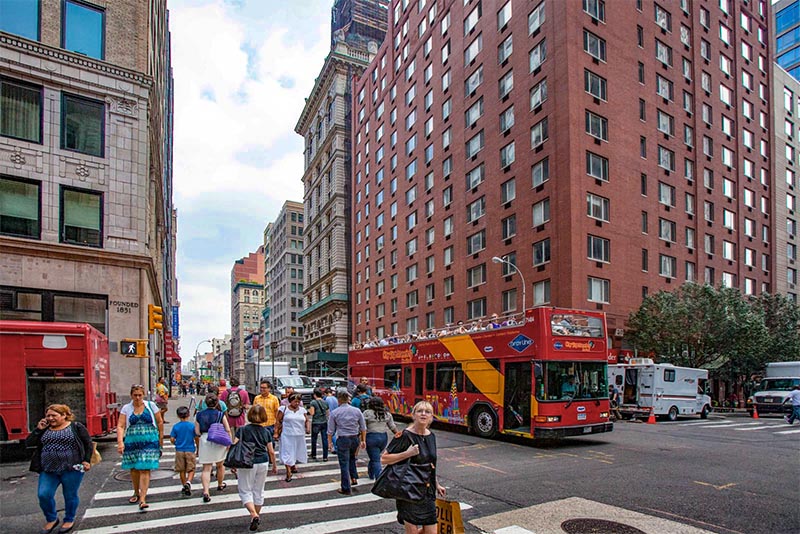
335, 383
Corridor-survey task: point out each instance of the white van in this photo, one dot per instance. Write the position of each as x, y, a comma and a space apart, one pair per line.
666, 389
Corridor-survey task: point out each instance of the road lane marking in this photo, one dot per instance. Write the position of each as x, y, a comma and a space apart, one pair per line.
760, 427
719, 487
729, 425
788, 432
707, 423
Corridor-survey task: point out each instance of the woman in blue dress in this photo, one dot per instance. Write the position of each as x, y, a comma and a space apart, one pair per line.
140, 432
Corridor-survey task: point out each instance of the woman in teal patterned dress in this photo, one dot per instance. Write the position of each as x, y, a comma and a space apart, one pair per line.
140, 432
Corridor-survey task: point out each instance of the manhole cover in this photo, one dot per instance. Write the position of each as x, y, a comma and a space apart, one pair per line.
157, 474
597, 526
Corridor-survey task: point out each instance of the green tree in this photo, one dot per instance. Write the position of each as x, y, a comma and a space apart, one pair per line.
699, 325
782, 319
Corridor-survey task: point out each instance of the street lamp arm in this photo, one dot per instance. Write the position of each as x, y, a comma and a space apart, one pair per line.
497, 259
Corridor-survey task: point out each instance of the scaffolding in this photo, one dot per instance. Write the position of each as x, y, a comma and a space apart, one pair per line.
359, 21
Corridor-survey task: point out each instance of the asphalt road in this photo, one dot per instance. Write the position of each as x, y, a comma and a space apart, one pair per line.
727, 475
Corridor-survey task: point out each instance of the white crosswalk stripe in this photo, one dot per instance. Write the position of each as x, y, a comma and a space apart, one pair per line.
750, 425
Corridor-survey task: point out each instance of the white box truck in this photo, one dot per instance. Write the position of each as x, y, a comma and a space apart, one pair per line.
771, 394
255, 371
668, 390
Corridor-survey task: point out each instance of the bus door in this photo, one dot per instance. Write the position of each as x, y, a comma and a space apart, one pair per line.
630, 394
517, 396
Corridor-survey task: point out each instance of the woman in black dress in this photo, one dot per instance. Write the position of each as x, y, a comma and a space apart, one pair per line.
418, 443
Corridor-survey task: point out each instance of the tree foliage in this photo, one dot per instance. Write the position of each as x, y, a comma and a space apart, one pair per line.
702, 326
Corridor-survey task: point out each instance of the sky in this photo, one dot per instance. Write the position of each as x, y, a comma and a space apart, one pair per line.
242, 71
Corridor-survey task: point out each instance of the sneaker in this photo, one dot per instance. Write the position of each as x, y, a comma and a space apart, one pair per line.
343, 492
187, 489
786, 418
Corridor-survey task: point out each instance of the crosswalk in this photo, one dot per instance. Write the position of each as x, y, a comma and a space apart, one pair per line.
772, 426
309, 504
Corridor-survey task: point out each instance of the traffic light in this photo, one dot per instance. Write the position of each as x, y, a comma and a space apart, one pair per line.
133, 348
155, 318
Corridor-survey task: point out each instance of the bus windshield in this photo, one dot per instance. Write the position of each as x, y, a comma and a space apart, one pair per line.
573, 324
570, 380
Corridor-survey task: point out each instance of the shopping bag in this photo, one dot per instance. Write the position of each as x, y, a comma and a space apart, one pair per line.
240, 455
403, 481
96, 458
448, 517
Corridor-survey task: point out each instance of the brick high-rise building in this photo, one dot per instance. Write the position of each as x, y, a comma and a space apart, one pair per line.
606, 149
87, 225
247, 297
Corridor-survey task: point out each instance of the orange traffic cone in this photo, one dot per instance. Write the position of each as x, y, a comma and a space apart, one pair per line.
652, 419
755, 412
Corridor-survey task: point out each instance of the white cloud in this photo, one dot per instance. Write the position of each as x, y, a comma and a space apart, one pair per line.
242, 72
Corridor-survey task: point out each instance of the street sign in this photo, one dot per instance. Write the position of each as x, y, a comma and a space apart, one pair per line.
133, 348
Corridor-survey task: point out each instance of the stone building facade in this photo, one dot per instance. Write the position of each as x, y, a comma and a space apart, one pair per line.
86, 217
247, 298
357, 29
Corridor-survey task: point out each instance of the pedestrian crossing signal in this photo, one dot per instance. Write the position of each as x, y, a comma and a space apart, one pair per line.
155, 318
133, 348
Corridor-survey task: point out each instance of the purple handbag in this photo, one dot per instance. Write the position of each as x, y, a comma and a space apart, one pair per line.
217, 433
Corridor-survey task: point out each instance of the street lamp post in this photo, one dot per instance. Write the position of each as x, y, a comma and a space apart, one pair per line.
497, 259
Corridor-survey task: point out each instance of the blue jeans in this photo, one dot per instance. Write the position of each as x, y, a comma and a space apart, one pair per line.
347, 447
376, 442
795, 414
321, 430
70, 482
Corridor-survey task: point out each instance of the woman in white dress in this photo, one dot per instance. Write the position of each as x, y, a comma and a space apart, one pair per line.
210, 453
292, 426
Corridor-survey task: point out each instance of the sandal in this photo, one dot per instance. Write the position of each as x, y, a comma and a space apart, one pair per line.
254, 523
288, 479
222, 487
143, 506
206, 497
134, 499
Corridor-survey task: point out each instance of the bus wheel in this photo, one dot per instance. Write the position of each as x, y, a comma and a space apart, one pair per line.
672, 415
484, 422
704, 412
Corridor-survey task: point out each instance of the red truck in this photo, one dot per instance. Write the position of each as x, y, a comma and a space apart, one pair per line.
53, 363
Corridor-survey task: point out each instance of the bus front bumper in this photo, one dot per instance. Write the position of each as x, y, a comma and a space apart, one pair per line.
564, 432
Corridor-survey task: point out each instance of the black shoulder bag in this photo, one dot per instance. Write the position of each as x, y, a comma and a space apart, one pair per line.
240, 454
404, 481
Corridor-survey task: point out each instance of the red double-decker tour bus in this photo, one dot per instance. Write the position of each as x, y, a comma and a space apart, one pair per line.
543, 376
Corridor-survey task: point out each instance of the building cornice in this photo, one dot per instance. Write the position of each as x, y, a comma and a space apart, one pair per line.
341, 56
330, 299
10, 246
59, 54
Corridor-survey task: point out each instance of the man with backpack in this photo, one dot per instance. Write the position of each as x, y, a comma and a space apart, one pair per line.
361, 398
238, 401
319, 411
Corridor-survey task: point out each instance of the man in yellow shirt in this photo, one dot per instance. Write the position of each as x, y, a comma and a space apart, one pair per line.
271, 404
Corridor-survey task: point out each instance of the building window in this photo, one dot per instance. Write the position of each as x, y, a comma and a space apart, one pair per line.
508, 191
81, 217
20, 208
476, 242
506, 83
594, 45
541, 212
599, 290
476, 275
507, 155
539, 133
536, 18
505, 49
83, 29
594, 84
596, 166
537, 56
82, 125
596, 126
598, 248
21, 18
597, 207
20, 111
540, 172
509, 227
595, 9
541, 252
538, 94
475, 176
541, 292
476, 308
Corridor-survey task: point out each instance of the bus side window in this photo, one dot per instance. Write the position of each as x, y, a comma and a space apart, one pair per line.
618, 380
407, 376
429, 376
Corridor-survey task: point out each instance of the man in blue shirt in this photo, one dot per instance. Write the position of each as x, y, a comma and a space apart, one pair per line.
348, 423
568, 387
